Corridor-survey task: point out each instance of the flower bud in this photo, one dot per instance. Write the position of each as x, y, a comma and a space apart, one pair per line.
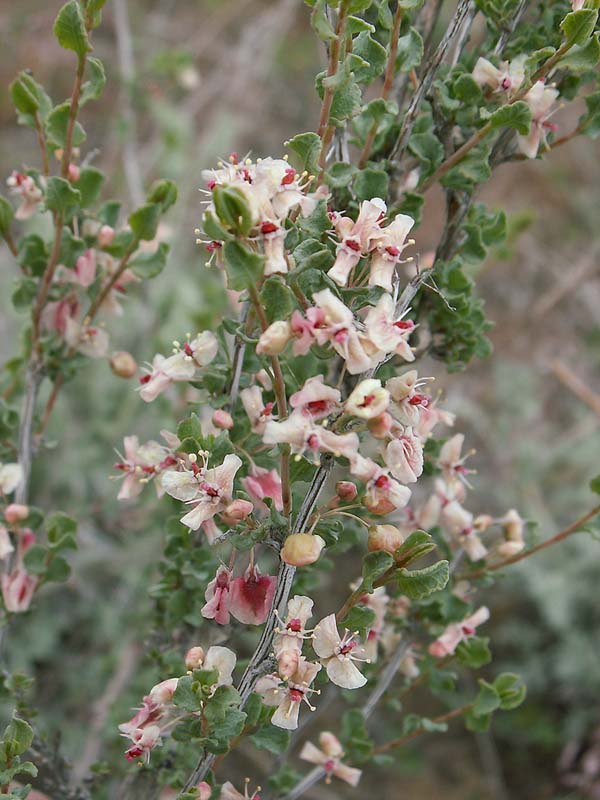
301, 549
275, 338
330, 744
379, 427
28, 539
15, 513
204, 790
106, 235
237, 511
385, 537
123, 364
194, 658
346, 490
73, 173
222, 419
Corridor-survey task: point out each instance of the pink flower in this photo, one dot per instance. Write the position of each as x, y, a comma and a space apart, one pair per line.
251, 596
404, 457
272, 237
316, 400
11, 475
356, 238
85, 268
329, 757
457, 632
540, 100
56, 315
273, 340
144, 741
507, 78
339, 654
87, 339
259, 412
18, 587
218, 597
229, 792
368, 400
513, 526
383, 493
261, 483
336, 327
209, 491
386, 332
451, 461
142, 463
407, 400
302, 434
6, 545
291, 634
288, 695
390, 242
181, 366
26, 188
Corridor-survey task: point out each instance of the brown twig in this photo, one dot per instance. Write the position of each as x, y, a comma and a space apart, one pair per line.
575, 385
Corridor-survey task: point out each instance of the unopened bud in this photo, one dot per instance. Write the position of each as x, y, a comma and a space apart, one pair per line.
237, 511
513, 525
330, 744
15, 512
301, 549
274, 339
123, 364
204, 790
73, 173
106, 236
379, 427
28, 539
222, 419
385, 537
194, 658
346, 490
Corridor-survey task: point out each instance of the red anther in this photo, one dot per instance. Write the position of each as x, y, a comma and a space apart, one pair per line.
353, 245
148, 470
145, 379
552, 126
210, 490
392, 251
381, 218
371, 635
313, 441
267, 410
133, 753
419, 400
294, 625
368, 400
348, 648
169, 461
234, 158
329, 765
211, 185
268, 227
404, 324
317, 406
121, 466
188, 350
506, 83
468, 631
19, 177
212, 246
247, 176
196, 469
296, 695
341, 336
382, 482
289, 177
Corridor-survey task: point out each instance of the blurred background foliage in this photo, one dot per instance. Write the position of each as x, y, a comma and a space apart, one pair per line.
189, 81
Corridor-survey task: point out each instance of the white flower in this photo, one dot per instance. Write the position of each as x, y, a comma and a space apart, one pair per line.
338, 654
11, 476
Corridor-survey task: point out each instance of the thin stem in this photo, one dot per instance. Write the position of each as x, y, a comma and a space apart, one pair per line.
68, 150
96, 304
402, 740
388, 83
40, 303
559, 537
42, 143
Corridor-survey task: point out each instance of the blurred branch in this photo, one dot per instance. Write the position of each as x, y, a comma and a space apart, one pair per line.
575, 385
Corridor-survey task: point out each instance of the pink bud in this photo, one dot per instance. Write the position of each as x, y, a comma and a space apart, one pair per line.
73, 173
380, 426
301, 549
106, 235
346, 490
204, 790
222, 419
28, 539
194, 658
385, 537
237, 511
15, 512
275, 338
123, 364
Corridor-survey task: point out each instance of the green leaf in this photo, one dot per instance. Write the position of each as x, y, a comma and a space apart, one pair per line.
164, 193
6, 216
415, 546
244, 268
277, 299
410, 51
149, 265
94, 86
340, 174
428, 149
582, 58
420, 583
511, 690
474, 652
316, 223
375, 564
185, 696
372, 53
190, 428
360, 619
270, 737
58, 570
320, 22
232, 209
355, 737
595, 484
471, 171
24, 100
24, 293
218, 712
89, 184
465, 88
477, 724
213, 229
487, 700
144, 221
35, 559
307, 146
347, 96
311, 254
56, 127
59, 525
17, 738
579, 25
69, 29
515, 115
61, 196
371, 183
